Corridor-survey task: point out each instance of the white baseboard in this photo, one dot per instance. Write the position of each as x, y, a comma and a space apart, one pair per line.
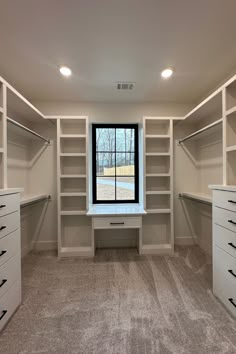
186, 241
25, 250
45, 245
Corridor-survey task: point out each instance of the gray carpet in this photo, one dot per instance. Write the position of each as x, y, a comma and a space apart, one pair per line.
119, 303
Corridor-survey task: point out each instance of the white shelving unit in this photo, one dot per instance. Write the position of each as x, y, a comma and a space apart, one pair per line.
74, 227
158, 233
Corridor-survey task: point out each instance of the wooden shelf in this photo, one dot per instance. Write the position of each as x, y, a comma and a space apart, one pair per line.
157, 175
156, 248
76, 251
158, 211
157, 136
79, 154
74, 212
157, 154
30, 199
197, 197
231, 148
231, 111
78, 194
71, 136
158, 192
73, 176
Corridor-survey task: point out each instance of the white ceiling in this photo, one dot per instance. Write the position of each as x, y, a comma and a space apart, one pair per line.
105, 41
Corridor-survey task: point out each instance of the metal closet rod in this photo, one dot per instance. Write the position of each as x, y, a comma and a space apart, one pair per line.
194, 199
12, 121
201, 130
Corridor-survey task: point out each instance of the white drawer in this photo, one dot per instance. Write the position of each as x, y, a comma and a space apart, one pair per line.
117, 222
9, 273
9, 203
224, 239
225, 218
225, 199
9, 223
224, 283
9, 246
9, 303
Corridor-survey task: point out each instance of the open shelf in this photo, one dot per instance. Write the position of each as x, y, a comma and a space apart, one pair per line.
157, 154
73, 154
73, 185
73, 136
158, 192
73, 176
157, 136
24, 131
73, 165
76, 232
231, 97
200, 197
157, 164
72, 202
30, 199
158, 211
73, 127
154, 126
74, 212
231, 148
158, 146
231, 130
151, 175
76, 251
231, 111
161, 248
72, 146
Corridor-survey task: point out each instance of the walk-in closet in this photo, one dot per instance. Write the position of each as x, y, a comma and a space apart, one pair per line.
117, 177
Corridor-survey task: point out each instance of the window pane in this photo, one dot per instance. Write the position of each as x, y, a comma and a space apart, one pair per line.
105, 164
125, 188
125, 164
105, 188
124, 139
105, 139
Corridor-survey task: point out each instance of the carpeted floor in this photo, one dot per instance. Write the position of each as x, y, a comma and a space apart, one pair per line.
119, 303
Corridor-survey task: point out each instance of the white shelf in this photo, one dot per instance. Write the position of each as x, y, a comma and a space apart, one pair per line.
231, 111
30, 199
83, 154
1, 110
74, 212
1, 150
157, 154
156, 248
157, 175
76, 194
231, 148
158, 192
72, 136
76, 251
157, 136
198, 197
73, 176
158, 211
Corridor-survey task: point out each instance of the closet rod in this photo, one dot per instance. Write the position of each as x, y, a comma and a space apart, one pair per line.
183, 196
201, 130
12, 121
39, 199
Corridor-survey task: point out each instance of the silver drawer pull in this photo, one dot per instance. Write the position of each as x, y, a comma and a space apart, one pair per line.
2, 206
117, 223
2, 253
232, 302
232, 222
232, 245
231, 272
3, 314
232, 201
2, 228
3, 282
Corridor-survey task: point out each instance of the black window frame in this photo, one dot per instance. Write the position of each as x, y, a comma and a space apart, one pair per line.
136, 161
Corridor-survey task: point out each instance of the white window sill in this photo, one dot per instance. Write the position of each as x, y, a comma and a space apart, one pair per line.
115, 209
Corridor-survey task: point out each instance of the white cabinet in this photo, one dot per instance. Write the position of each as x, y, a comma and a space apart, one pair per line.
10, 255
224, 247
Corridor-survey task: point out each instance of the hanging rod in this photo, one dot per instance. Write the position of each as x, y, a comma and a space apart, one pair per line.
198, 198
33, 199
12, 121
201, 130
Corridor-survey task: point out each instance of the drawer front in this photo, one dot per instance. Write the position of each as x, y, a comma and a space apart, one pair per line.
225, 199
224, 239
225, 218
9, 246
9, 303
9, 223
9, 203
224, 282
9, 273
117, 222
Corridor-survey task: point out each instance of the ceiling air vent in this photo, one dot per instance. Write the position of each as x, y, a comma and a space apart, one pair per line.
125, 85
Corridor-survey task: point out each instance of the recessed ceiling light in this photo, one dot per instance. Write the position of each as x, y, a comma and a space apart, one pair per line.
167, 73
65, 71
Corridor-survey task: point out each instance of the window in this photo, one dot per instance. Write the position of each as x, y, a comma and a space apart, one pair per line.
115, 163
